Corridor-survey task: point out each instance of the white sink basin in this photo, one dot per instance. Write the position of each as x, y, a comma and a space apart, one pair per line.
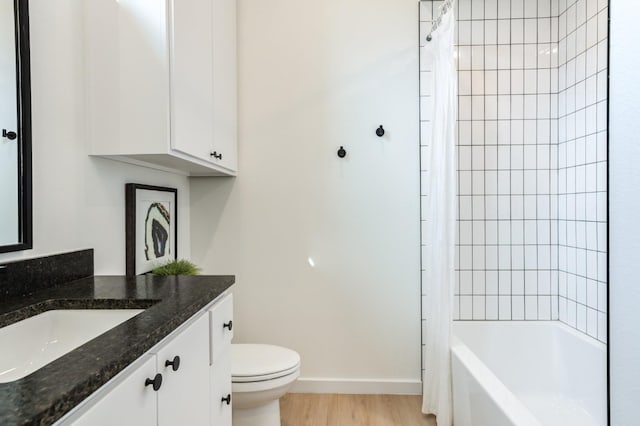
32, 343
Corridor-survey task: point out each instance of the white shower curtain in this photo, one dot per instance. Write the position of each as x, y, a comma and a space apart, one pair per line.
439, 278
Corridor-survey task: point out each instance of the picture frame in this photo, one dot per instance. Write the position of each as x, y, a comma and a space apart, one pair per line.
151, 231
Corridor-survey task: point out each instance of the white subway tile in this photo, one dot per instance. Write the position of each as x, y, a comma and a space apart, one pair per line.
517, 307
464, 57
466, 307
531, 307
517, 31
530, 56
530, 232
491, 32
504, 307
491, 312
581, 318
572, 313
464, 9
477, 83
543, 30
544, 308
592, 323
602, 55
477, 57
464, 32
531, 263
504, 31
492, 227
602, 327
504, 9
477, 32
592, 8
517, 231
504, 56
517, 8
603, 24
477, 9
531, 31
592, 32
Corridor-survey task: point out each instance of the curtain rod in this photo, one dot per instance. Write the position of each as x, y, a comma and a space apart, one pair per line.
448, 4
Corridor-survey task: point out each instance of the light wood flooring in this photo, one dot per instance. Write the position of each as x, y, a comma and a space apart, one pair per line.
299, 409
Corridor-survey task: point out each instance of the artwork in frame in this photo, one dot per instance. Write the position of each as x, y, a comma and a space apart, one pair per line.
150, 227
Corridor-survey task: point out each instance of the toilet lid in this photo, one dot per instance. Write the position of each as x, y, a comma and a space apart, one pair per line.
253, 362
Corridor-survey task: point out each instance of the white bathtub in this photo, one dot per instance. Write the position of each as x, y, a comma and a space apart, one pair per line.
527, 373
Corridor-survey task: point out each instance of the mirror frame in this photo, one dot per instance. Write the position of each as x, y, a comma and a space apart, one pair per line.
23, 79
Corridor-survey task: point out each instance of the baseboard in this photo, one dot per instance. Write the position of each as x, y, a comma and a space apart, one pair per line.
357, 386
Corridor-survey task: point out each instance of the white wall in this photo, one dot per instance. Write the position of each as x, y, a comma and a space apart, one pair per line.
78, 201
326, 251
624, 204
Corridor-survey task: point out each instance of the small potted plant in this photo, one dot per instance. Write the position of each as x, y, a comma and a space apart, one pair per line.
177, 267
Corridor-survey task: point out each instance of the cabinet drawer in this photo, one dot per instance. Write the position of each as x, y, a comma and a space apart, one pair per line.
221, 327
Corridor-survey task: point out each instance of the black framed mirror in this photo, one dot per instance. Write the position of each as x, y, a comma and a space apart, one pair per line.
15, 127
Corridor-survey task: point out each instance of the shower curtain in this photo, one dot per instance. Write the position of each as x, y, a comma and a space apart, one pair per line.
439, 278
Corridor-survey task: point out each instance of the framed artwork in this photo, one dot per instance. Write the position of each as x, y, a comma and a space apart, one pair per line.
151, 231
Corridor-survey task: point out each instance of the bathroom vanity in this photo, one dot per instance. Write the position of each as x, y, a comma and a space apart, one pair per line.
169, 363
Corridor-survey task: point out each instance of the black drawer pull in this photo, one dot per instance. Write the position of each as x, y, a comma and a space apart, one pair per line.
228, 325
175, 364
227, 399
216, 155
156, 382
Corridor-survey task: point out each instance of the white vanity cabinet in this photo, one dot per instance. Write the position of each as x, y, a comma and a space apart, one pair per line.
177, 382
161, 83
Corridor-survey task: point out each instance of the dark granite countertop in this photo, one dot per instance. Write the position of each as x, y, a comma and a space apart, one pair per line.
47, 394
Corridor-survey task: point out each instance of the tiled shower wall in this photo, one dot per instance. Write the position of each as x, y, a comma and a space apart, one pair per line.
582, 164
515, 181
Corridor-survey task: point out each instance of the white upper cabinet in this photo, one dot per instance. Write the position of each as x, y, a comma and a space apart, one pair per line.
225, 85
161, 83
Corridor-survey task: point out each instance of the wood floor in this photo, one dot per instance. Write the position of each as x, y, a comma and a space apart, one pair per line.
298, 409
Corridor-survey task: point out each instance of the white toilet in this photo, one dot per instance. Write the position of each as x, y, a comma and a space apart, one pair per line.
260, 375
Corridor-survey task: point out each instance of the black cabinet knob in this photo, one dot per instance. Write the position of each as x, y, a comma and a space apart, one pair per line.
380, 131
156, 382
175, 364
342, 152
216, 155
228, 325
9, 134
227, 399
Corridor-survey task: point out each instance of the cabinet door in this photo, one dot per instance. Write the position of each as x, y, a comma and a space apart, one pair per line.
130, 402
221, 315
225, 87
127, 76
221, 401
191, 82
184, 397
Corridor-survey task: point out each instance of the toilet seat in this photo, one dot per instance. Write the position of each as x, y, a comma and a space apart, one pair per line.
258, 363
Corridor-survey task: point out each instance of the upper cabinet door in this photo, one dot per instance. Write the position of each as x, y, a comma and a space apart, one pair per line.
184, 365
191, 82
225, 88
127, 76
